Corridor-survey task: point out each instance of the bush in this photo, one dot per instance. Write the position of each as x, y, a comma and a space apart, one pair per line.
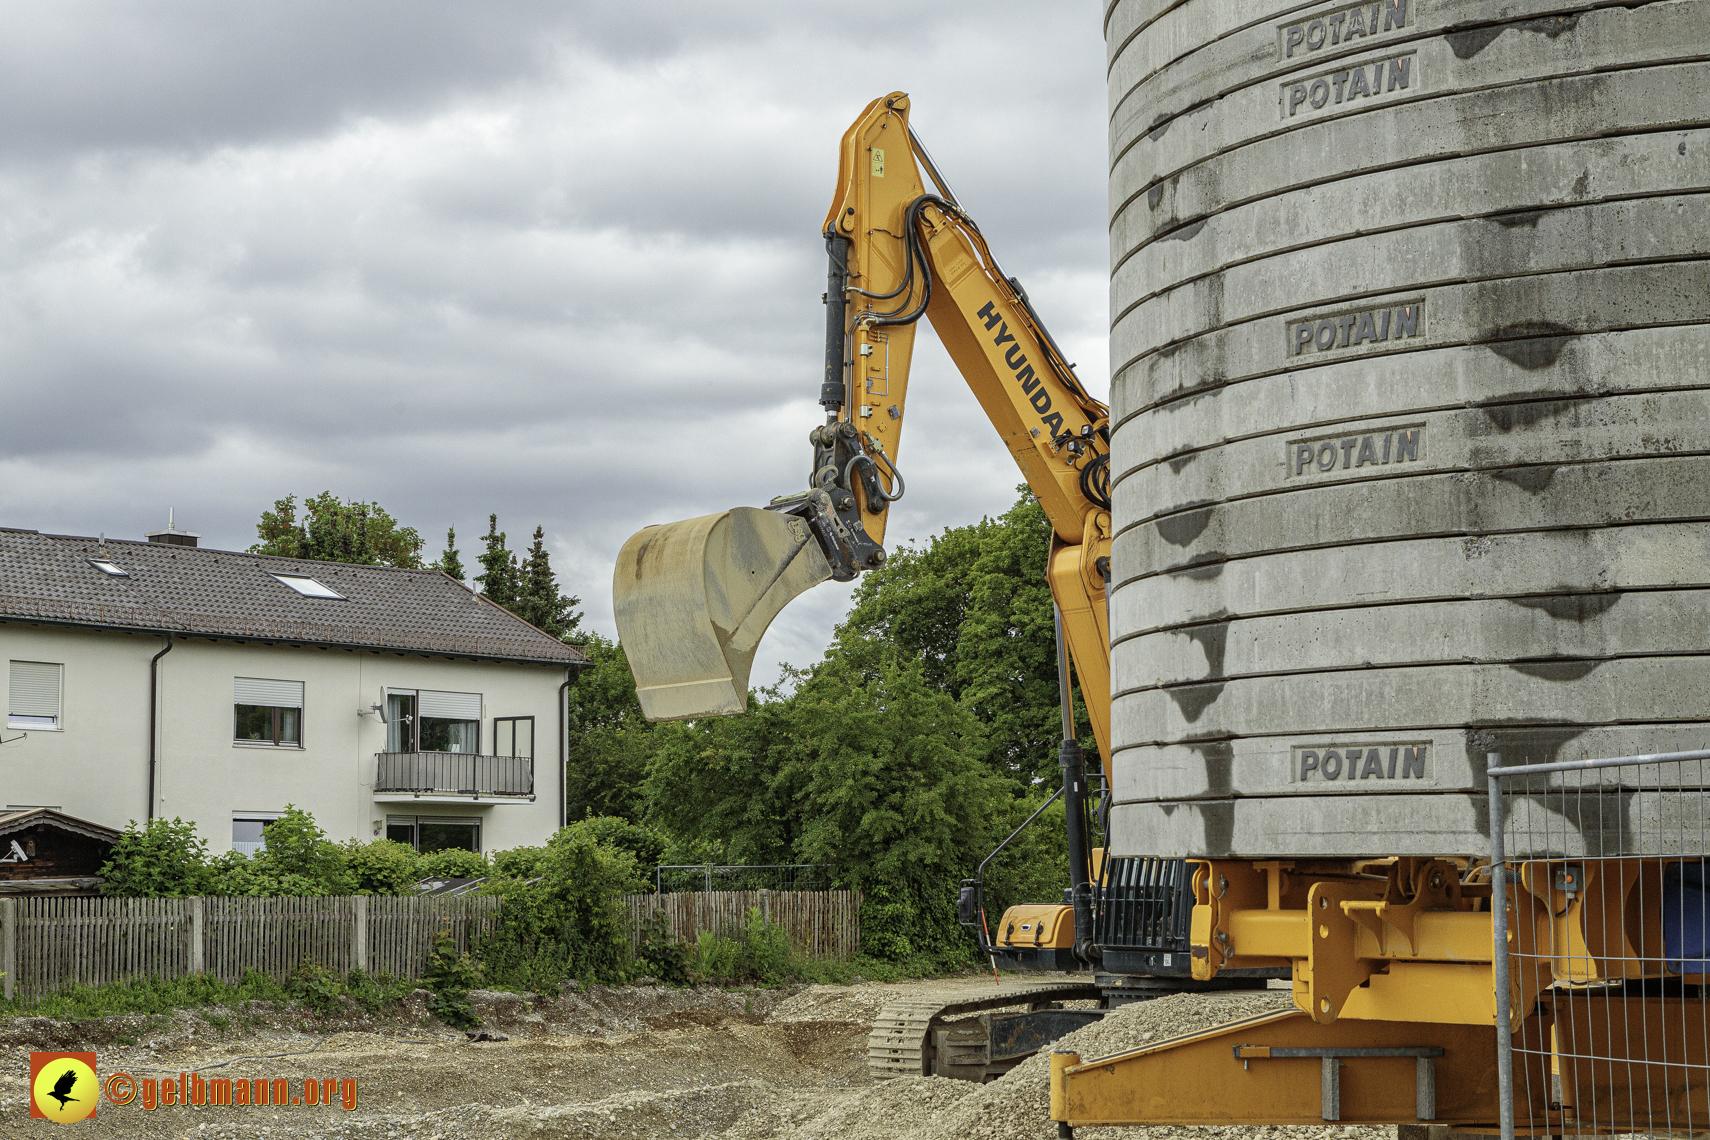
646, 844
567, 924
317, 987
768, 956
717, 960
761, 953
658, 955
374, 992
162, 859
452, 863
518, 862
451, 974
886, 920
383, 867
298, 861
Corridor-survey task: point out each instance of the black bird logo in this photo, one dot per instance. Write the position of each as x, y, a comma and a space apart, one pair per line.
62, 1087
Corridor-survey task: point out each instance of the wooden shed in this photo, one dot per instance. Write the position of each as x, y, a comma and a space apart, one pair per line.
46, 852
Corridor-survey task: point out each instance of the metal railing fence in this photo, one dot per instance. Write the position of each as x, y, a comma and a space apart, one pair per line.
1601, 907
454, 774
677, 877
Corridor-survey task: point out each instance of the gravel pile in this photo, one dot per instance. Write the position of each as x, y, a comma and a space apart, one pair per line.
1017, 1106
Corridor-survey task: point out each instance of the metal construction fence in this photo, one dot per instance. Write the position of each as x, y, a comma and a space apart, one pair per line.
822, 924
713, 877
1603, 909
48, 944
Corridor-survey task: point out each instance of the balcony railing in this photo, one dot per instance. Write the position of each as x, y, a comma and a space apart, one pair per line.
454, 774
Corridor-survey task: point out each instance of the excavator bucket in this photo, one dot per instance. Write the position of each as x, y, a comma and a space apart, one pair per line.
693, 598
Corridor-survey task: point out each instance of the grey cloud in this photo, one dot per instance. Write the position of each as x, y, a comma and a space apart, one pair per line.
558, 262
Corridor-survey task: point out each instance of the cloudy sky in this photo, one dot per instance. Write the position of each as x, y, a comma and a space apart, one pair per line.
554, 260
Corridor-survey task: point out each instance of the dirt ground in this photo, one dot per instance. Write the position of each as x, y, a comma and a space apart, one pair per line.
649, 1062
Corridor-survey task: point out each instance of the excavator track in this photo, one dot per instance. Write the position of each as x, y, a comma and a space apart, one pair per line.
900, 1042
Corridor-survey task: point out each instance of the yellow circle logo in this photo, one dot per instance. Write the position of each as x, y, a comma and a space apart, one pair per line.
66, 1090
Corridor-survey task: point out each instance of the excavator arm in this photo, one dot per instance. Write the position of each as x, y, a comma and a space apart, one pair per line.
693, 598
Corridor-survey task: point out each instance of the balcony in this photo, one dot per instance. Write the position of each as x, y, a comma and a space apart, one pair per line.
453, 778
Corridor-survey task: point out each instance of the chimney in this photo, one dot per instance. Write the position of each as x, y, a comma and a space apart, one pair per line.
172, 536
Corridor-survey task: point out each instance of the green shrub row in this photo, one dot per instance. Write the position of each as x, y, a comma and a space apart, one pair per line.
165, 858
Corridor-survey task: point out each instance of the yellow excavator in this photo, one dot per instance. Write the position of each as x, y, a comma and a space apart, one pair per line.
1392, 960
693, 598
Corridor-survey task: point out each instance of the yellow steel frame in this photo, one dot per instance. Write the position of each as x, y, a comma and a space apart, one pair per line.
1400, 950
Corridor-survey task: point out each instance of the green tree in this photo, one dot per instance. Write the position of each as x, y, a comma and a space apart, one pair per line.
335, 531
974, 610
538, 601
500, 577
609, 740
914, 607
451, 562
162, 859
894, 785
1006, 663
729, 786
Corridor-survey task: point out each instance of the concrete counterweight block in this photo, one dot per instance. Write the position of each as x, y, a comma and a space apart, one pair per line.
1411, 394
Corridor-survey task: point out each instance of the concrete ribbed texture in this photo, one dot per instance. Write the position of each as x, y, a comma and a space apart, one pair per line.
1411, 385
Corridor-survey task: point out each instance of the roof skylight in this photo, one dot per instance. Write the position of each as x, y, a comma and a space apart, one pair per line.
112, 569
308, 587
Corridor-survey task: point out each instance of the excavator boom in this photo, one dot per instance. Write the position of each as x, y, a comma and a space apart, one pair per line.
693, 598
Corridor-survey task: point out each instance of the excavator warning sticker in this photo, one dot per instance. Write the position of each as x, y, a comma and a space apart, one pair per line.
878, 162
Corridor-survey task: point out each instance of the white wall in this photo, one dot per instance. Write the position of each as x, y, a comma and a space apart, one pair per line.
96, 766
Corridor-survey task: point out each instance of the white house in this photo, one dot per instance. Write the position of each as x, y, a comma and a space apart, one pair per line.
163, 679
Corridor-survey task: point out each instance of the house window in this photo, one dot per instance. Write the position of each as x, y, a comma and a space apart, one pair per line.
428, 833
513, 736
428, 721
267, 712
248, 831
33, 695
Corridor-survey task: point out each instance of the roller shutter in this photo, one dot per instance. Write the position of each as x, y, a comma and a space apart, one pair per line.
273, 694
449, 706
34, 689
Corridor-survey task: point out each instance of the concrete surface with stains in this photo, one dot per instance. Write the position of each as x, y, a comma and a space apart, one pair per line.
1411, 394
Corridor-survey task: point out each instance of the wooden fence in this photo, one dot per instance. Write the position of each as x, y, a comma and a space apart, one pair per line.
823, 924
50, 943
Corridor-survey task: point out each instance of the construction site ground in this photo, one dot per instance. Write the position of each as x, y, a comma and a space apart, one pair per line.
640, 1061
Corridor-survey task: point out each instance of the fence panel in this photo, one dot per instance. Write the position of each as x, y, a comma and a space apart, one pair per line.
822, 924
62, 942
1604, 907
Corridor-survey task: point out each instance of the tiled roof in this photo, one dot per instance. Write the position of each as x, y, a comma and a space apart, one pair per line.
226, 594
